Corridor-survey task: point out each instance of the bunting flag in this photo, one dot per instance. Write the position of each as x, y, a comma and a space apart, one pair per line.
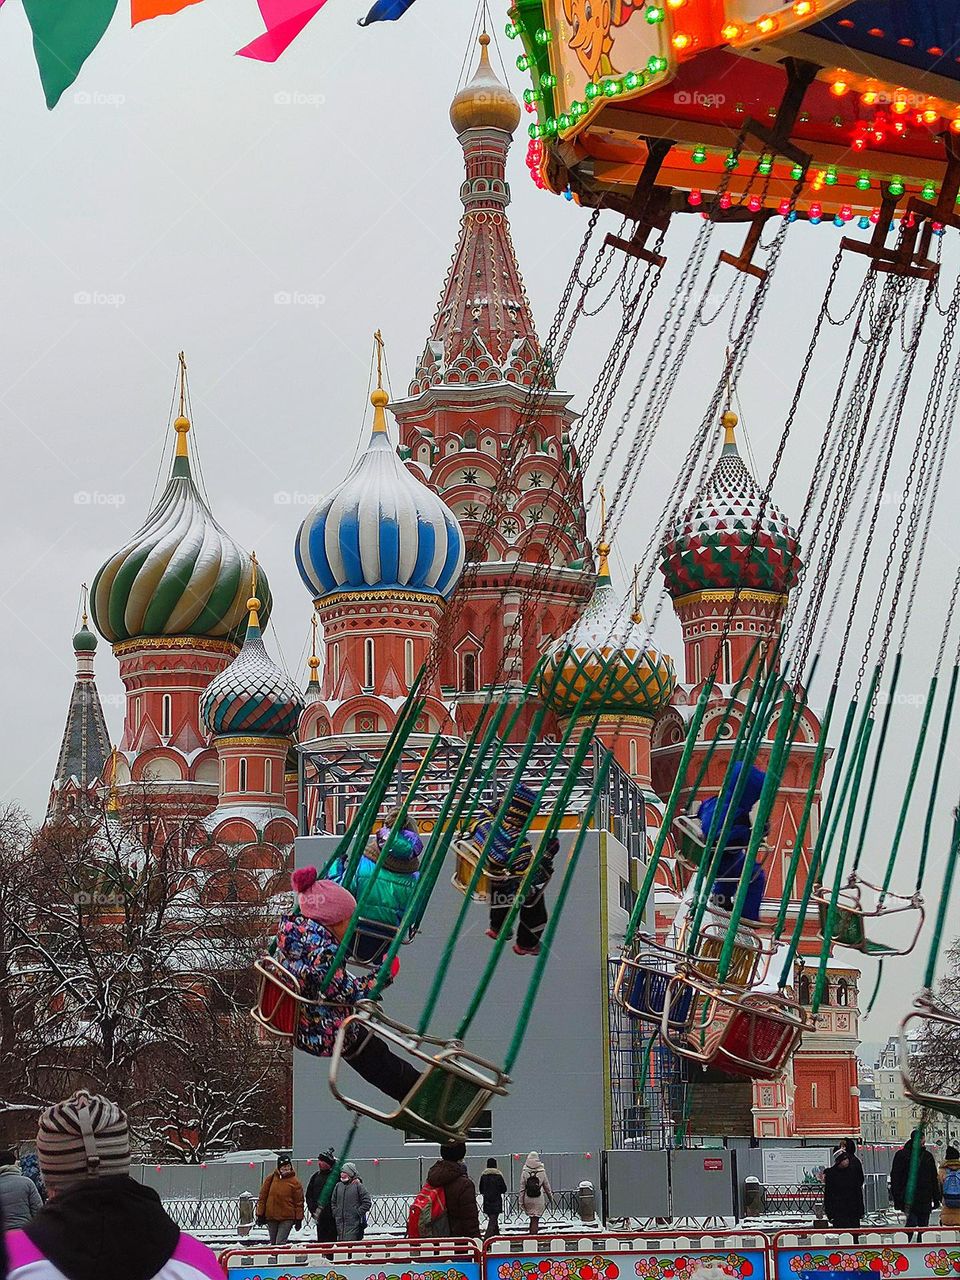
284, 20
386, 11
65, 33
143, 10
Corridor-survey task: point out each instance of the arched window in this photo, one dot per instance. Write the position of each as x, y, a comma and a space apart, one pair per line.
268, 775
166, 715
633, 755
223, 776
697, 664
468, 681
761, 656
470, 439
242, 774
727, 677
843, 993
408, 662
369, 664
336, 663
137, 712
803, 990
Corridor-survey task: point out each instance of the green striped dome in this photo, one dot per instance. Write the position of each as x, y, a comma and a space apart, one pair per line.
180, 574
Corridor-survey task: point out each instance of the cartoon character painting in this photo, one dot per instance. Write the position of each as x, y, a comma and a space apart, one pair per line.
591, 24
599, 39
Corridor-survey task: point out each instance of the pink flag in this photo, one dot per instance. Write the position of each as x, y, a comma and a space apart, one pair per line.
284, 20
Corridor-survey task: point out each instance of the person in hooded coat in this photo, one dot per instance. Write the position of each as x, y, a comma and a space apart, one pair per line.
98, 1223
450, 1173
322, 1214
493, 1188
19, 1198
280, 1207
730, 869
350, 1204
924, 1196
530, 1204
843, 1192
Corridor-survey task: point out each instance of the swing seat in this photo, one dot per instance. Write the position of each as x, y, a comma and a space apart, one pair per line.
371, 942
749, 1034
925, 1016
649, 988
859, 915
280, 999
749, 958
466, 859
453, 1087
690, 844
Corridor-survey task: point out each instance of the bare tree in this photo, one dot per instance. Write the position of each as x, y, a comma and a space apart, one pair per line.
935, 1053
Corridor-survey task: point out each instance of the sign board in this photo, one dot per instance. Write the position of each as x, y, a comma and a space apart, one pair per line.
314, 1262
879, 1254
713, 1165
721, 1263
795, 1166
320, 1269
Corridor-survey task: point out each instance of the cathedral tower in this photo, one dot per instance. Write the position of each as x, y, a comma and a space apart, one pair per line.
468, 398
85, 745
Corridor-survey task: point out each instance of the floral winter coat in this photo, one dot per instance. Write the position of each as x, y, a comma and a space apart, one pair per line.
306, 949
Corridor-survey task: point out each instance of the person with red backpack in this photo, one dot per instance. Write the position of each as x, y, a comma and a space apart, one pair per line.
447, 1203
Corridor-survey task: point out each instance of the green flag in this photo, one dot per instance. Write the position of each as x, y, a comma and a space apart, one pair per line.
65, 33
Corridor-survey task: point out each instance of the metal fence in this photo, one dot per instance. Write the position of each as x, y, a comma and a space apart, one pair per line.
808, 1198
388, 1213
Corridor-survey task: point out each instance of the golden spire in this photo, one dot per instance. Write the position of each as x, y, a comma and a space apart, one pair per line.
83, 604
313, 662
636, 616
603, 546
182, 424
113, 803
379, 399
729, 422
253, 604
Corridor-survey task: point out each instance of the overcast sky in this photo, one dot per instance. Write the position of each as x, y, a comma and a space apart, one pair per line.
173, 195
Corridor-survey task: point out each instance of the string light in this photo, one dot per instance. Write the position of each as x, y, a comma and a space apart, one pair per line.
731, 31
766, 24
754, 204
929, 191
654, 14
863, 180
725, 200
784, 208
681, 41
896, 185
830, 177
839, 88
699, 154
543, 36
695, 198
766, 165
804, 8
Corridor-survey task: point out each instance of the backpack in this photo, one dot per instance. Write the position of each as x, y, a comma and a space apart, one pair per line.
951, 1189
427, 1218
532, 1187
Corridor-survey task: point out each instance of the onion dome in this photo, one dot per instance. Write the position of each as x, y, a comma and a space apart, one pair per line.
485, 102
610, 656
252, 695
730, 538
180, 574
381, 529
84, 641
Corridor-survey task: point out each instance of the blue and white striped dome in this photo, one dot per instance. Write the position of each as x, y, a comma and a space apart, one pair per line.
380, 529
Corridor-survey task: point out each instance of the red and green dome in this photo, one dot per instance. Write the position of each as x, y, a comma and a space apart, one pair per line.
717, 545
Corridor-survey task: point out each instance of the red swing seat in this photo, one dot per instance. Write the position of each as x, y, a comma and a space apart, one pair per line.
280, 999
751, 1034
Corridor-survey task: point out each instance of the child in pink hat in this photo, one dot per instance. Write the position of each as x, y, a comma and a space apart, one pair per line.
306, 946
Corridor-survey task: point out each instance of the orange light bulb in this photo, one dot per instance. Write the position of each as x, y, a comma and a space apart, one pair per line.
731, 31
766, 24
868, 98
681, 41
676, 4
838, 88
899, 107
804, 8
930, 116
955, 124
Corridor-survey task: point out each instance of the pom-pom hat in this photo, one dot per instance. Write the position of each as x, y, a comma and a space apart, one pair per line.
322, 900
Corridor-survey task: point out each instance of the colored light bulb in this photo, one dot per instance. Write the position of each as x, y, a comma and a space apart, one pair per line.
535, 131
656, 64
863, 180
695, 198
611, 88
543, 36
896, 186
830, 177
837, 220
784, 208
550, 125
654, 14
731, 160
930, 116
929, 191
549, 81
681, 41
731, 31
531, 96
725, 200
513, 29
564, 122
766, 165
524, 62
863, 223
804, 8
816, 213
568, 194
839, 88
846, 213
632, 80
796, 173
699, 155
754, 204
767, 24
874, 215
593, 89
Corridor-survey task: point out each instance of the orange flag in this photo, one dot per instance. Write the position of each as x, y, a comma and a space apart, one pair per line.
141, 10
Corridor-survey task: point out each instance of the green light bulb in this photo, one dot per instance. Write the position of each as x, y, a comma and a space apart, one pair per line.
530, 96
929, 191
565, 122
654, 14
513, 29
593, 89
535, 131
831, 177
550, 125
656, 64
611, 88
731, 161
896, 185
863, 181
543, 36
699, 154
632, 80
796, 173
524, 61
766, 165
549, 81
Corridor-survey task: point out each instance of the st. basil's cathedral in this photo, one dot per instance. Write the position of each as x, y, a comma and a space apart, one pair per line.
212, 723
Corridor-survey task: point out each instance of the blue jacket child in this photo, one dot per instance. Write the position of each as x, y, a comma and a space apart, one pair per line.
731, 865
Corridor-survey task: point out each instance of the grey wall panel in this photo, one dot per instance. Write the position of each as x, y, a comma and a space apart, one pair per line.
637, 1184
556, 1100
702, 1182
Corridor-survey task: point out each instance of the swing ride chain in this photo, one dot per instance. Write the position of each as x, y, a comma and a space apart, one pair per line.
898, 524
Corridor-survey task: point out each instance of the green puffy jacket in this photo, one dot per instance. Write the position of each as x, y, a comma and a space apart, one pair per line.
390, 895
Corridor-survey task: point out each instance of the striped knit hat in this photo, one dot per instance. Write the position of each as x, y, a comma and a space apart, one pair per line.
84, 1137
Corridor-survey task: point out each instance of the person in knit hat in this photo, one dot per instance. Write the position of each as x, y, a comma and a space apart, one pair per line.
392, 878
98, 1222
306, 946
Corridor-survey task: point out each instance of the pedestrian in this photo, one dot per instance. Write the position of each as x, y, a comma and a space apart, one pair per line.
30, 1168
535, 1189
449, 1174
19, 1198
98, 1222
950, 1188
492, 1190
280, 1207
850, 1146
350, 1203
306, 946
322, 1214
916, 1200
843, 1192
